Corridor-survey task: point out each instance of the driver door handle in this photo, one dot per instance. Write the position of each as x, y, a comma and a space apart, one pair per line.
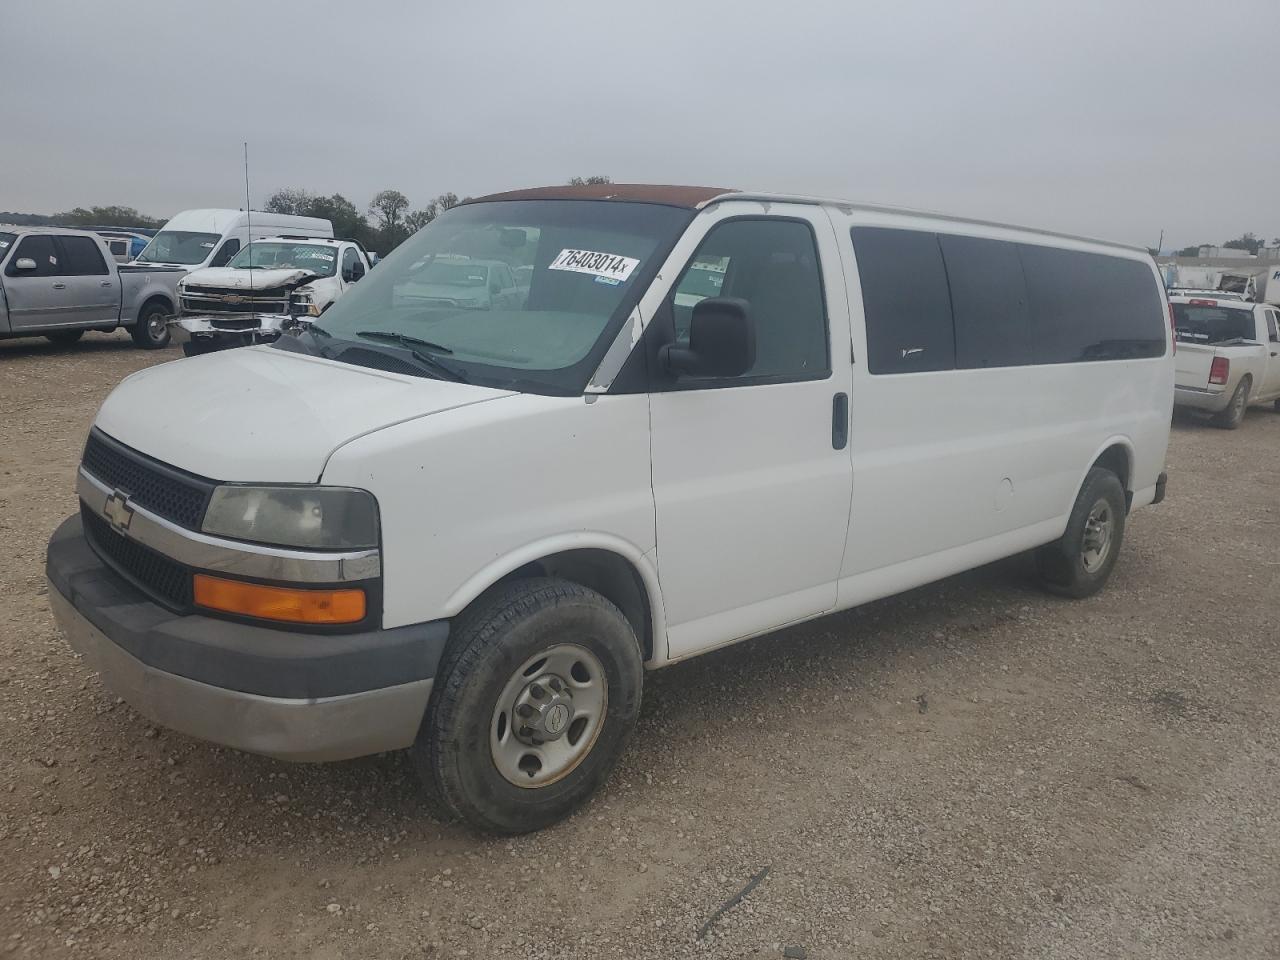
59, 286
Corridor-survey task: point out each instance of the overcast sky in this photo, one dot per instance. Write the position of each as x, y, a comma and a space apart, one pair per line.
1113, 118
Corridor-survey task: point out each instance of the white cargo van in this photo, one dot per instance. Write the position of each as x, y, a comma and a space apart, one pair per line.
210, 238
468, 526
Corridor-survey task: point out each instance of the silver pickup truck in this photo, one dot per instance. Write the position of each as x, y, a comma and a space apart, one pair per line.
1228, 356
58, 283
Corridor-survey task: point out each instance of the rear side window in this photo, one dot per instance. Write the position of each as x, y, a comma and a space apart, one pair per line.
1086, 306
989, 302
81, 257
1273, 325
906, 300
41, 249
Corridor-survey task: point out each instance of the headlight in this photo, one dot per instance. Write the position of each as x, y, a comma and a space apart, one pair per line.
323, 517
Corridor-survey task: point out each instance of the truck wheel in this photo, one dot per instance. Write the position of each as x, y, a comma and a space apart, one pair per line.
537, 695
64, 338
1079, 563
1233, 416
151, 331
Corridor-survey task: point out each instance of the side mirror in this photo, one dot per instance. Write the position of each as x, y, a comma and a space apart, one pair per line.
24, 263
357, 271
722, 341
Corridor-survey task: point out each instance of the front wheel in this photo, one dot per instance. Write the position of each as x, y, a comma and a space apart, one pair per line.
1233, 416
151, 332
537, 695
1080, 561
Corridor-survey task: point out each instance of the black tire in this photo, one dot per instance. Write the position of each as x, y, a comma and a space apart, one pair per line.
491, 641
64, 338
1233, 416
1064, 565
151, 332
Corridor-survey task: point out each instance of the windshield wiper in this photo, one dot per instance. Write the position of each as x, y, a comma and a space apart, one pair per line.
444, 370
403, 339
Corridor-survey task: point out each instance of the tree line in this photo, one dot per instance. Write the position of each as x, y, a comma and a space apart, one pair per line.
385, 224
1246, 241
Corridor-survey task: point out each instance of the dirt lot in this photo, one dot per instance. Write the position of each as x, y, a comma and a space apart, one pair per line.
971, 770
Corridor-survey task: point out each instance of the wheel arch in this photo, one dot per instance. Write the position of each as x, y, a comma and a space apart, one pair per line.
1116, 455
161, 298
613, 567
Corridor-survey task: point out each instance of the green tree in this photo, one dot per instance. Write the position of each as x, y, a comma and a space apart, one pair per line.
589, 181
113, 216
348, 222
1246, 241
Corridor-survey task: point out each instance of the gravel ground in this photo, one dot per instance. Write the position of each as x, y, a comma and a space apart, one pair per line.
973, 769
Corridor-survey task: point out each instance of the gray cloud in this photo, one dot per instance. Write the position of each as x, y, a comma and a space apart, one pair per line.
1108, 117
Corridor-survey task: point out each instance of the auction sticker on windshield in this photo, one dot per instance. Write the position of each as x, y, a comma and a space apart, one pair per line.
608, 265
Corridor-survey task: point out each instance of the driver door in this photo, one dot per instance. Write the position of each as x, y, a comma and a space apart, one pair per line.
752, 475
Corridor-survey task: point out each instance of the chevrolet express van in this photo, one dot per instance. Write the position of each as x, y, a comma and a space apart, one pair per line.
467, 526
195, 239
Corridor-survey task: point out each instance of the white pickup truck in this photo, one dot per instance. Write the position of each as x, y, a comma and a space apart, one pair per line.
1228, 356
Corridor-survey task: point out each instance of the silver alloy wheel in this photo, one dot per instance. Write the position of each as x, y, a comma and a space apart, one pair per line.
1237, 403
548, 715
1098, 530
155, 324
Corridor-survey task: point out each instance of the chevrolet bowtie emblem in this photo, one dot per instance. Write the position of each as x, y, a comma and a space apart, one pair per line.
118, 511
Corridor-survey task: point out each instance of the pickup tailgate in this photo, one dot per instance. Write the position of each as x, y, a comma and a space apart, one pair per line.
1192, 363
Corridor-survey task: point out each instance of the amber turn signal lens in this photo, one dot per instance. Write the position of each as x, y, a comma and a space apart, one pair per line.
279, 603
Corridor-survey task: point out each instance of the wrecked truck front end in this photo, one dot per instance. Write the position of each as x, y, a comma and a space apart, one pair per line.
221, 309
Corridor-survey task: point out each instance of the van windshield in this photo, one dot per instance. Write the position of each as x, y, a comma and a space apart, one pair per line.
313, 257
179, 246
1196, 323
447, 292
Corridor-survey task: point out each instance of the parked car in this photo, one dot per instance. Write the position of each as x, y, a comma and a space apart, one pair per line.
1228, 356
468, 531
269, 286
210, 238
123, 245
460, 281
58, 283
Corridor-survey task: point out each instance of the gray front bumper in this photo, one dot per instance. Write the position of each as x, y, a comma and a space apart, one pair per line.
326, 728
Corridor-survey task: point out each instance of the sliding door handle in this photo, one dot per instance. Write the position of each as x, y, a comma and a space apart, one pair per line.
840, 421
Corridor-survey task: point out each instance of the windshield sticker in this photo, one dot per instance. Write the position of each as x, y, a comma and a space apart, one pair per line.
316, 256
611, 281
608, 265
207, 246
53, 260
3, 244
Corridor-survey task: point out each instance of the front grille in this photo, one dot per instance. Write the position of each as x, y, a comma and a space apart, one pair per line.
165, 580
174, 495
217, 300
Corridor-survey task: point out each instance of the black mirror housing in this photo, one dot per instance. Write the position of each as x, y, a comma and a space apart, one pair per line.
722, 341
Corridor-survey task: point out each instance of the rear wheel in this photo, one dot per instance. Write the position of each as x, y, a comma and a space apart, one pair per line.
64, 338
1080, 561
151, 332
1233, 416
536, 698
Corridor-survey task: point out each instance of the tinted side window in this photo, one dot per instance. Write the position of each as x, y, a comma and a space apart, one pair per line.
988, 302
773, 265
1086, 306
906, 300
40, 248
349, 261
1273, 325
81, 257
228, 250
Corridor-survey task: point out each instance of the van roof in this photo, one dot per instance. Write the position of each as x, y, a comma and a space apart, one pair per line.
695, 198
217, 220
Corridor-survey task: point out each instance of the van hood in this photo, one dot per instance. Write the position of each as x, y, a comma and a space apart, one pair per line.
262, 415
229, 278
